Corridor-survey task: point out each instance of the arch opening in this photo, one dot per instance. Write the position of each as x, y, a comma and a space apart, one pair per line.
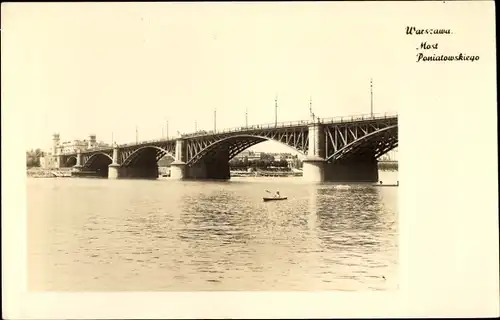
213, 162
99, 163
146, 155
371, 146
235, 145
145, 162
70, 162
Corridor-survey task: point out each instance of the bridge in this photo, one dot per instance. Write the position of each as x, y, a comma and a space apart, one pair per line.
342, 149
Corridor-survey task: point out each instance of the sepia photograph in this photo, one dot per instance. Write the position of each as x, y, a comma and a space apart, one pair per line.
211, 172
219, 147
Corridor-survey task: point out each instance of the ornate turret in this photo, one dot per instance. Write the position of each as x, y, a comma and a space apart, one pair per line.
92, 141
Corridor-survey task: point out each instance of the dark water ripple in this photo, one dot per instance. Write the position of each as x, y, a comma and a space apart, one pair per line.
104, 235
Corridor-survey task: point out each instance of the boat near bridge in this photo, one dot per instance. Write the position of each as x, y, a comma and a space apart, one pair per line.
381, 184
274, 198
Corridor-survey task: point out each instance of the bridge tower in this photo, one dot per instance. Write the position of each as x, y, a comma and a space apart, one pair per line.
55, 150
55, 143
92, 141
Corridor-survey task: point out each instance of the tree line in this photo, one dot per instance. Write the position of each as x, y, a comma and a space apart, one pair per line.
33, 157
263, 163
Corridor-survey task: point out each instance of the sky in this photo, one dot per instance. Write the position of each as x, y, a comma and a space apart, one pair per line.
100, 68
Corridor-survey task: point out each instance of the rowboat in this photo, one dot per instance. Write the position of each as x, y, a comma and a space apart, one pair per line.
274, 198
381, 184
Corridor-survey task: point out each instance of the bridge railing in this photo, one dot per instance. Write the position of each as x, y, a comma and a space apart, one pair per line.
147, 141
341, 119
94, 149
359, 117
248, 128
350, 118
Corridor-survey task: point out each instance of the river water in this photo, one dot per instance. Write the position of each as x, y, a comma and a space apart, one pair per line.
164, 235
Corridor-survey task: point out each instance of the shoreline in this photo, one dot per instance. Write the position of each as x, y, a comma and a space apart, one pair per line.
41, 173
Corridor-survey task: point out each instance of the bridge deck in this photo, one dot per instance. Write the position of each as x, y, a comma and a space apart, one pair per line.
253, 128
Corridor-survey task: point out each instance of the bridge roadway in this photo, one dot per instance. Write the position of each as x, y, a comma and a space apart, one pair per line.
341, 149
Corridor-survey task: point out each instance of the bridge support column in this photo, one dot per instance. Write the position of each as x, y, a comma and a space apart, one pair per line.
78, 165
314, 169
314, 164
115, 169
178, 170
178, 167
352, 171
197, 171
212, 167
145, 172
217, 167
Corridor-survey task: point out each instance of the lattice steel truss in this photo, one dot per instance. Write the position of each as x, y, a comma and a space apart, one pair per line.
69, 161
357, 139
130, 155
235, 142
343, 140
90, 158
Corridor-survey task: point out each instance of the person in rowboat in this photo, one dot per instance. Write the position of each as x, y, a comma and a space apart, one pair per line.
277, 195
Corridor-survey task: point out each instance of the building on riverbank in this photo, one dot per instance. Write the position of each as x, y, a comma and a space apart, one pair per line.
48, 161
67, 147
50, 158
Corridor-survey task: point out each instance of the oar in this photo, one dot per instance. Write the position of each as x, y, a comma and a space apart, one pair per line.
268, 191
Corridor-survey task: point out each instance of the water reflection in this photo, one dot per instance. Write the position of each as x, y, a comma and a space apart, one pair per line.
183, 236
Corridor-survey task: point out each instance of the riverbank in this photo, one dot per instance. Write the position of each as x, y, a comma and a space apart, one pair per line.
37, 172
263, 173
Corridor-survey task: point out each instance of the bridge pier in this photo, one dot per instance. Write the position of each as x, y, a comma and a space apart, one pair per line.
314, 169
197, 171
178, 167
365, 170
114, 169
217, 167
314, 163
148, 172
318, 170
214, 167
178, 170
78, 166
